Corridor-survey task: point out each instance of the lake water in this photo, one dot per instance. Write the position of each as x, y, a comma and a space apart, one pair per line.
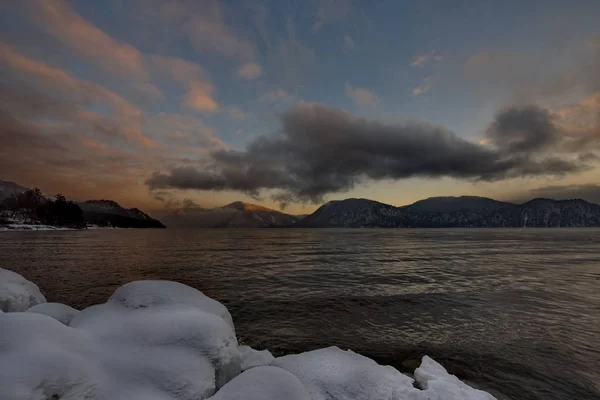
516, 311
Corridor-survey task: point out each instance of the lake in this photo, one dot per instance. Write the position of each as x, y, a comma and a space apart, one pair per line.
512, 310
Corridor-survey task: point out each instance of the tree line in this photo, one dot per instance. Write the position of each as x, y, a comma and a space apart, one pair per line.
32, 207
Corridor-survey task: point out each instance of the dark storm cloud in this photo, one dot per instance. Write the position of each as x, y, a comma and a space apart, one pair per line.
323, 150
523, 130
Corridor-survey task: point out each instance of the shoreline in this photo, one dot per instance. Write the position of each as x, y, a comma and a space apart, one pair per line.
48, 228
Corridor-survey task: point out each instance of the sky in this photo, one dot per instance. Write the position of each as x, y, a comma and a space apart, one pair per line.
161, 104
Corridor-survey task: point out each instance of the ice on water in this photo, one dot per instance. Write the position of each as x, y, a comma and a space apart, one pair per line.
161, 340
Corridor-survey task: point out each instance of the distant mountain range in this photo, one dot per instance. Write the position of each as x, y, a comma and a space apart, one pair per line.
96, 212
434, 212
455, 212
234, 215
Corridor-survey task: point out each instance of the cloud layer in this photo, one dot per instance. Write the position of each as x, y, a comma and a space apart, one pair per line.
322, 150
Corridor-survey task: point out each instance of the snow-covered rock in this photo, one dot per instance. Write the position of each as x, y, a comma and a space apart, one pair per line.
17, 293
159, 340
150, 293
432, 376
255, 358
263, 383
335, 374
60, 312
150, 340
163, 313
44, 359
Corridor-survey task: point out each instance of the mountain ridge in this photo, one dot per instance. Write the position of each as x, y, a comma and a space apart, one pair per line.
477, 212
103, 213
433, 212
233, 215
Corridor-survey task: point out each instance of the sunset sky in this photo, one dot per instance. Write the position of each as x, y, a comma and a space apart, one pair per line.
156, 104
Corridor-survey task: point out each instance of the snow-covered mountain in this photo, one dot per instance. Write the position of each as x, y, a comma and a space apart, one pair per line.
459, 212
235, 215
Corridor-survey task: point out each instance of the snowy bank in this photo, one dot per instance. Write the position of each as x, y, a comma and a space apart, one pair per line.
31, 227
161, 340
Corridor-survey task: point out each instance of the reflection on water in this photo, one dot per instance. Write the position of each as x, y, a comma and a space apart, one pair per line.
512, 310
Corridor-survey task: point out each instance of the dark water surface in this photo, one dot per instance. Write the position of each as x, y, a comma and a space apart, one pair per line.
512, 310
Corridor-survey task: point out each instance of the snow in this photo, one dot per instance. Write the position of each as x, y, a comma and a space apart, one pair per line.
148, 341
431, 375
161, 340
263, 383
255, 358
148, 293
17, 293
335, 374
31, 227
60, 312
47, 359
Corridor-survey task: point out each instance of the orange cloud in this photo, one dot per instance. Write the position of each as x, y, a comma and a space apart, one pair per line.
71, 29
181, 129
177, 69
199, 98
62, 81
581, 118
89, 41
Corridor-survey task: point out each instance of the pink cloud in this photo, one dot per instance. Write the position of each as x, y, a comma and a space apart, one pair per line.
277, 95
424, 87
249, 71
60, 80
421, 59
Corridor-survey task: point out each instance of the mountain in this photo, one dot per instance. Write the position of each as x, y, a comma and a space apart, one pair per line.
450, 212
355, 213
95, 212
455, 212
110, 213
452, 204
553, 213
235, 215
7, 189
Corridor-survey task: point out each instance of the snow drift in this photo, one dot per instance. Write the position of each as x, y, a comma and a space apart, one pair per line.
17, 293
160, 340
